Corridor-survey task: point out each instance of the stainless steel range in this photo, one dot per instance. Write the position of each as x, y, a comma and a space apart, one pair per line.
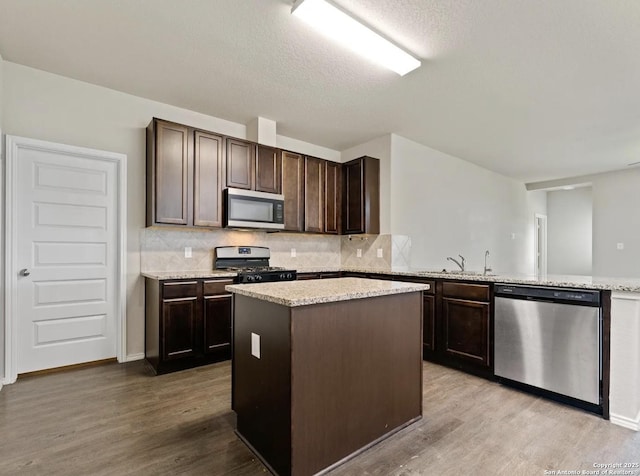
251, 263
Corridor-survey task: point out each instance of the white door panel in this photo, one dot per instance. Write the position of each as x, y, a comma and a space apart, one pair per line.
67, 240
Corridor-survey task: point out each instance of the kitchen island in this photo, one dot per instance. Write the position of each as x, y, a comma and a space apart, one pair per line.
324, 369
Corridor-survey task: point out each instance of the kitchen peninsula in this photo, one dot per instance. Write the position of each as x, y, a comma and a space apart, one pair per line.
324, 369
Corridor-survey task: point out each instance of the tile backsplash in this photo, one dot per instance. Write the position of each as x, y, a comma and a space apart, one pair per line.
164, 249
376, 251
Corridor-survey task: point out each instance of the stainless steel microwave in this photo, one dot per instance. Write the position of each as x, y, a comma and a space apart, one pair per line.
250, 209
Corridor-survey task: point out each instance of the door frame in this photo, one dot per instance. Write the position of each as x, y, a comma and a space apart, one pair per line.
542, 247
12, 146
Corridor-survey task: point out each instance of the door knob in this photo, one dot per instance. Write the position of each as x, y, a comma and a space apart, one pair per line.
25, 272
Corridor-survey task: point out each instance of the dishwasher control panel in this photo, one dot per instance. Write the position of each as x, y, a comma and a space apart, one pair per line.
588, 297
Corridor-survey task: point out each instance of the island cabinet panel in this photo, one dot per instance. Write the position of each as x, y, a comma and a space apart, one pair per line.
261, 388
293, 190
378, 389
187, 323
268, 170
314, 188
168, 166
329, 379
241, 159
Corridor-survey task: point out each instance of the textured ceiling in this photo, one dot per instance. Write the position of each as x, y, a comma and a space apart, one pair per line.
535, 90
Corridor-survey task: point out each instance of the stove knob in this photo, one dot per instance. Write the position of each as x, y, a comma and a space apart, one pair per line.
282, 276
251, 278
258, 278
289, 276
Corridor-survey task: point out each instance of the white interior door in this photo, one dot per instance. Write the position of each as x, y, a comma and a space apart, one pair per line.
540, 245
66, 246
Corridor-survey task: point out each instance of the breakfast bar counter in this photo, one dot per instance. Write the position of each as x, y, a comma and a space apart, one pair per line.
323, 370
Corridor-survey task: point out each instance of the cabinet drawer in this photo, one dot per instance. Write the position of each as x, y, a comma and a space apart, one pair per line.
473, 292
179, 289
216, 286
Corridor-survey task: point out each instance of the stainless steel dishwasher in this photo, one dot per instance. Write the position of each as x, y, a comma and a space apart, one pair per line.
549, 338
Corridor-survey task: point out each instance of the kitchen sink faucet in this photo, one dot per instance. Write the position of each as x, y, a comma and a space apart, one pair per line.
486, 270
459, 263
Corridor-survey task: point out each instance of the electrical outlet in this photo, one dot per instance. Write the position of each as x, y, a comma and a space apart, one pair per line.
379, 252
255, 345
188, 252
620, 246
293, 252
359, 253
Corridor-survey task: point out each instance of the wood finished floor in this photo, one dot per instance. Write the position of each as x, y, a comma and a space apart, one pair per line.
120, 420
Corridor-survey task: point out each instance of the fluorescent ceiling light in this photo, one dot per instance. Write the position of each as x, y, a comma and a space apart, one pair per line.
339, 26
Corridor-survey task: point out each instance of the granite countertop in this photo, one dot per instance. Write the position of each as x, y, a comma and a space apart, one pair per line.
304, 293
555, 280
160, 275
573, 281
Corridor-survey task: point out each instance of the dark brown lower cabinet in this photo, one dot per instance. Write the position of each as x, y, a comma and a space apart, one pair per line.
179, 321
187, 323
428, 315
217, 324
466, 327
428, 324
464, 323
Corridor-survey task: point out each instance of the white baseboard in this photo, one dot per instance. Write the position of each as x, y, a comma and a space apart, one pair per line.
132, 357
626, 422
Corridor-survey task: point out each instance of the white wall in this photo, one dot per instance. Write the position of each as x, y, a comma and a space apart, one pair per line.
449, 206
616, 219
379, 148
569, 231
302, 147
50, 107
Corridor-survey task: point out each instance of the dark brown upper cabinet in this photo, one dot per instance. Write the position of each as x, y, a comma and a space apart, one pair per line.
184, 175
361, 199
293, 190
241, 160
314, 189
268, 170
187, 170
332, 197
168, 171
253, 166
207, 179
